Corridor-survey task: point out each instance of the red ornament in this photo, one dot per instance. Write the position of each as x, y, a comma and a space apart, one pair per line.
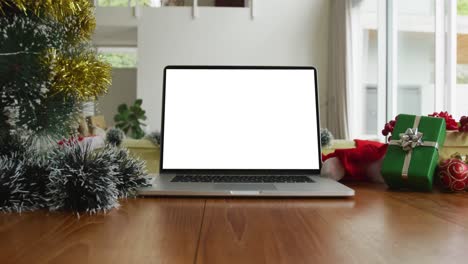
464, 120
72, 140
451, 124
463, 128
453, 174
463, 124
388, 128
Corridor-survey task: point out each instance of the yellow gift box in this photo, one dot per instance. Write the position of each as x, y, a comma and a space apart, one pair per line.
145, 150
338, 144
454, 142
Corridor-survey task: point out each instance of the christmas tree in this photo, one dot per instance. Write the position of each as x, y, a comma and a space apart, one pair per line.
48, 68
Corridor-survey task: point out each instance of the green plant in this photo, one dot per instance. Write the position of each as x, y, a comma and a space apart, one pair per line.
462, 7
120, 60
129, 119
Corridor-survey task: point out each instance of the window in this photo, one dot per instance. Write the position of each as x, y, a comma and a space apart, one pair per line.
415, 57
158, 3
114, 3
461, 90
174, 2
408, 57
117, 3
119, 57
367, 99
231, 3
214, 3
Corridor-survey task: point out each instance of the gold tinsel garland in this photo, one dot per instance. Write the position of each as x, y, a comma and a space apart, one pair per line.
83, 76
80, 74
77, 14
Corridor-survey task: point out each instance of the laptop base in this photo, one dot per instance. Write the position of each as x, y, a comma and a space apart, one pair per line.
320, 187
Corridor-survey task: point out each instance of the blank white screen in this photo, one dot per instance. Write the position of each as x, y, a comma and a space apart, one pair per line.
240, 119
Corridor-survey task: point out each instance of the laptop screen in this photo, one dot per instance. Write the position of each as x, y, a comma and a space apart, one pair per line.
240, 119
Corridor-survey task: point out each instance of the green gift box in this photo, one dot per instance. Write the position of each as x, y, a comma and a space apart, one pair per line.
412, 154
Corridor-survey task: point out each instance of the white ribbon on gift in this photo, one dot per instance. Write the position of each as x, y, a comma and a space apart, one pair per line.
408, 141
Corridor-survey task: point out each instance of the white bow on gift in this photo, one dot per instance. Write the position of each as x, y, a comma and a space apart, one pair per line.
411, 139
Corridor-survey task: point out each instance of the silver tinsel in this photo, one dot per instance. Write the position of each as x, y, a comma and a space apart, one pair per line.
115, 136
82, 180
154, 137
130, 172
73, 177
326, 137
21, 183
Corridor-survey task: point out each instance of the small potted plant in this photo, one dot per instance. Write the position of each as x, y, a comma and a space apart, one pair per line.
129, 119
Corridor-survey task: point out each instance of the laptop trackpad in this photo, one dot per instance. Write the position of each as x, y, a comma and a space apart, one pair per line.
245, 187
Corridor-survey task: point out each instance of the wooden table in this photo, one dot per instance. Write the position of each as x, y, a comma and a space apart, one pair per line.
376, 226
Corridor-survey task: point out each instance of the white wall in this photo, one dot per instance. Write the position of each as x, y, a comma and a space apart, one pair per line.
122, 90
282, 33
115, 17
115, 26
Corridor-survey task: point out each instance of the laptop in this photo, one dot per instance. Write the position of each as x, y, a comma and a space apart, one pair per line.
241, 131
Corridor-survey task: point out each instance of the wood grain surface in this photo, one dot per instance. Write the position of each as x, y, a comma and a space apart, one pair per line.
376, 226
141, 231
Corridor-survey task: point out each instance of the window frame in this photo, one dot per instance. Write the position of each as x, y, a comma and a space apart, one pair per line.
134, 50
445, 63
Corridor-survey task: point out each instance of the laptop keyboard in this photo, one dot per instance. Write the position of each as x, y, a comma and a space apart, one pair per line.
242, 179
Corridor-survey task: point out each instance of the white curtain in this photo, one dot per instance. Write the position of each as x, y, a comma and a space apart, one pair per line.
339, 69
